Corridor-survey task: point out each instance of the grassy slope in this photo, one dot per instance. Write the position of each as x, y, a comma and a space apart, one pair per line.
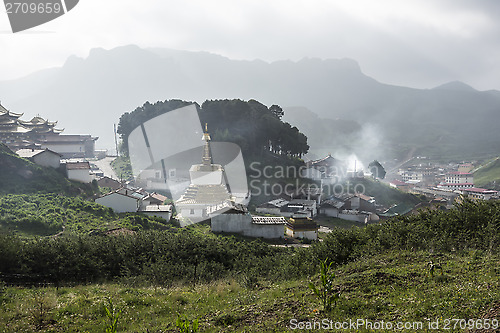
48, 214
488, 176
122, 167
18, 175
395, 287
39, 201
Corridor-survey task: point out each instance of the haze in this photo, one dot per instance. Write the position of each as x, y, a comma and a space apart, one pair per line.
417, 43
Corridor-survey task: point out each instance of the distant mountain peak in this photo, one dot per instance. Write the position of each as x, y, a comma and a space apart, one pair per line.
455, 85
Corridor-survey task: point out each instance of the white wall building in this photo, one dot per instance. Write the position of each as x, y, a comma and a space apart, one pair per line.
238, 220
79, 171
479, 193
43, 157
163, 211
120, 202
458, 177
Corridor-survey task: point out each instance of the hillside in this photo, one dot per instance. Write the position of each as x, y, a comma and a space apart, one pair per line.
383, 193
39, 201
488, 175
18, 175
432, 120
395, 288
31, 215
382, 272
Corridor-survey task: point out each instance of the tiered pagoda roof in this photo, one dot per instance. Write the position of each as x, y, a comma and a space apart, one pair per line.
6, 113
10, 123
8, 120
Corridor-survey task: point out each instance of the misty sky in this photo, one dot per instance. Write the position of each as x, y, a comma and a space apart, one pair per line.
415, 43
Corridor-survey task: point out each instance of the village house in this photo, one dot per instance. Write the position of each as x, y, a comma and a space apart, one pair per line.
122, 200
237, 220
294, 207
155, 198
331, 207
163, 211
400, 185
358, 208
79, 171
300, 207
431, 193
43, 157
363, 202
131, 200
476, 193
108, 182
272, 207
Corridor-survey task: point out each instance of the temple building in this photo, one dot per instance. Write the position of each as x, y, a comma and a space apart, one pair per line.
39, 133
302, 227
208, 192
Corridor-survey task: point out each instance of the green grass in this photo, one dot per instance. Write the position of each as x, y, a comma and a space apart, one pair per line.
50, 214
395, 286
122, 167
488, 175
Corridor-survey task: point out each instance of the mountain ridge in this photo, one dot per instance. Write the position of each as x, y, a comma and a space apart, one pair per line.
88, 95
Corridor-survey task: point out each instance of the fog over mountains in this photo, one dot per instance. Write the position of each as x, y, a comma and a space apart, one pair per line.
87, 96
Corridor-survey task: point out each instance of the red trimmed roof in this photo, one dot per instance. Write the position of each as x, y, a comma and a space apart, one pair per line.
480, 190
77, 166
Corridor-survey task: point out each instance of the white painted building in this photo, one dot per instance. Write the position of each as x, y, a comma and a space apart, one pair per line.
163, 211
476, 193
458, 177
43, 157
411, 175
454, 186
238, 220
120, 202
70, 146
79, 171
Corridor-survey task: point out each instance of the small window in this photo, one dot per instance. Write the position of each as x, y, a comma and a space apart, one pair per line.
191, 212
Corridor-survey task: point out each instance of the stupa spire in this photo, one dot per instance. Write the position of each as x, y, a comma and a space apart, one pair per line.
207, 154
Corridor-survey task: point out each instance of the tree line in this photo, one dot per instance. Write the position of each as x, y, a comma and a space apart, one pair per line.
253, 126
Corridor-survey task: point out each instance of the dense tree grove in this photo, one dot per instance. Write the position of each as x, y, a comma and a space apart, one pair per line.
255, 127
376, 169
194, 254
